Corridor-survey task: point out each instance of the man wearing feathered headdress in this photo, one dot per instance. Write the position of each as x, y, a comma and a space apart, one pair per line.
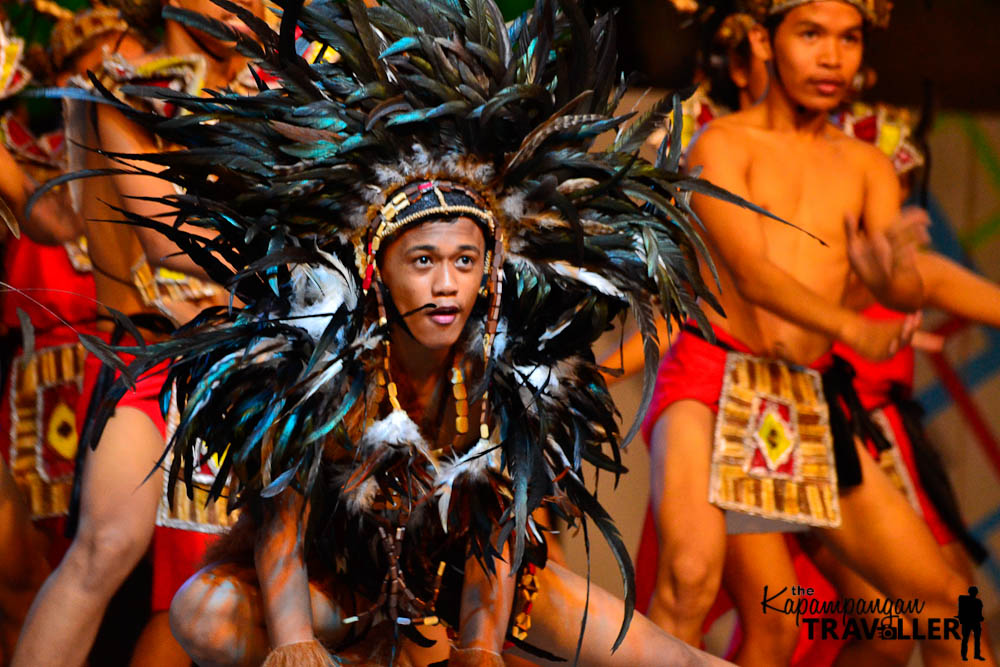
423, 249
774, 459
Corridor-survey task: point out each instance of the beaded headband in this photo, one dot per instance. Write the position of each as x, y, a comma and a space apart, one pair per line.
418, 202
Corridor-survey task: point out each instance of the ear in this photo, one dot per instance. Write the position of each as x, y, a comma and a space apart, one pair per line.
760, 43
739, 75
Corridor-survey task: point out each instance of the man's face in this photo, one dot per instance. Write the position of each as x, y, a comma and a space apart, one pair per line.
439, 263
817, 52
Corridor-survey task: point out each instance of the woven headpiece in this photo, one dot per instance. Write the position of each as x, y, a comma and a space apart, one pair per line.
875, 12
76, 30
435, 109
734, 30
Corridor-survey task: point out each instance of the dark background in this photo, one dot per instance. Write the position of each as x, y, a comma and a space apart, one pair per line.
947, 47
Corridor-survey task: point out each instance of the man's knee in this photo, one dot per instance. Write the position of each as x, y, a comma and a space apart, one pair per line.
688, 582
201, 619
184, 615
103, 555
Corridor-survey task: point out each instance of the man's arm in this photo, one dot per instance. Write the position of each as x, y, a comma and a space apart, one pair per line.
120, 135
53, 221
281, 571
884, 256
486, 605
957, 290
758, 280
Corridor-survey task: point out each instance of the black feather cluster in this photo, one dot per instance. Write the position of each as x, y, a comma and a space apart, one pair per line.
285, 179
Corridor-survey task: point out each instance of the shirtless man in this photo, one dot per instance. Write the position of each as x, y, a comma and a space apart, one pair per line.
118, 510
37, 434
779, 154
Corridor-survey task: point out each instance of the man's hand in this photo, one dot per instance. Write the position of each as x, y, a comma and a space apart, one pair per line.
926, 341
882, 260
474, 657
880, 339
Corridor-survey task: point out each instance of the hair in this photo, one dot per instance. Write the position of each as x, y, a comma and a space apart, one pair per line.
719, 62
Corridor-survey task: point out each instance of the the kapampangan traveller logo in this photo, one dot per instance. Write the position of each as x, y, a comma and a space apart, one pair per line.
885, 619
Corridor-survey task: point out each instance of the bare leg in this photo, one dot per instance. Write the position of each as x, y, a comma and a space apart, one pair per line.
958, 559
850, 584
23, 566
555, 626
691, 531
157, 647
218, 617
753, 562
884, 540
116, 524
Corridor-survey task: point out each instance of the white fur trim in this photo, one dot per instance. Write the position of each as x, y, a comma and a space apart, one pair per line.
396, 430
474, 464
318, 292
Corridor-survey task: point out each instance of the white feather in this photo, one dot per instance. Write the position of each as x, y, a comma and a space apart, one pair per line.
396, 430
595, 280
362, 497
318, 292
539, 377
500, 339
474, 464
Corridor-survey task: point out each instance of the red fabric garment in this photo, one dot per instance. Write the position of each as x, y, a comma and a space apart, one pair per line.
693, 369
873, 382
177, 555
53, 282
48, 277
145, 396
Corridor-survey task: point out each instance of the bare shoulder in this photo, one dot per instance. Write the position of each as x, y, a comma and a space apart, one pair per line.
867, 157
729, 137
864, 153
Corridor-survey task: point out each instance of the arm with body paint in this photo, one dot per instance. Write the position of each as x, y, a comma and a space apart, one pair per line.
279, 557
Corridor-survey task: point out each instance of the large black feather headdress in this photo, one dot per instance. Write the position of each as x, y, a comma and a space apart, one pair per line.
434, 107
